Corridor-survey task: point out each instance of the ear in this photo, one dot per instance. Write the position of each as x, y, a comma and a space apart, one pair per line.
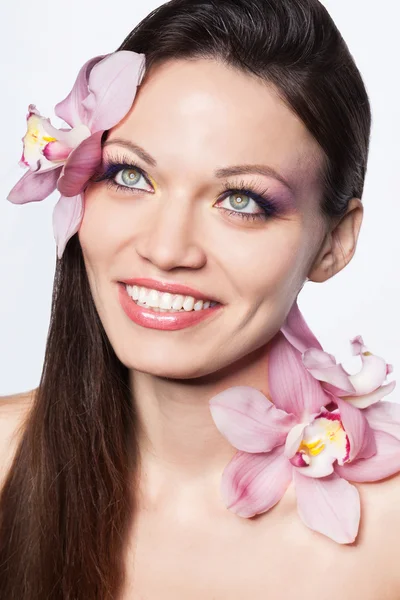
339, 244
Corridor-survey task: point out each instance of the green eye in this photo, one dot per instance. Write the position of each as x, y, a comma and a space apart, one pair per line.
123, 176
239, 200
130, 176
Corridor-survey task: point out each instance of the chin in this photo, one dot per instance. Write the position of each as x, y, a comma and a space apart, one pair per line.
166, 366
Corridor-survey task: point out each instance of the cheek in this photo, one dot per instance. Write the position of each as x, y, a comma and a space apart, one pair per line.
99, 234
259, 264
271, 262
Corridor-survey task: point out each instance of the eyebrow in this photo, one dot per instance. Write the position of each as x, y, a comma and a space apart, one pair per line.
219, 173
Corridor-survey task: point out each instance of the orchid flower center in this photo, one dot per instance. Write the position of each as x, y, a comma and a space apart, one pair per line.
323, 442
45, 146
35, 139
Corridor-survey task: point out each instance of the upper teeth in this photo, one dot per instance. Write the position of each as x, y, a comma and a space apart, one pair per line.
156, 299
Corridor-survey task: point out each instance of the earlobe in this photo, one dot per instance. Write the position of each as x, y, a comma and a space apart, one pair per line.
339, 244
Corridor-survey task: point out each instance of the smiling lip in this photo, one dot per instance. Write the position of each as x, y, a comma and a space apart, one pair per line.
172, 288
146, 317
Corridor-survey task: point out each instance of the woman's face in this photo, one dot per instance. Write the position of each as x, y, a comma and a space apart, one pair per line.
179, 223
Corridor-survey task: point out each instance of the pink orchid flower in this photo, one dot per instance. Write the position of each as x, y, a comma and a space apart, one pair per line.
65, 159
362, 389
308, 436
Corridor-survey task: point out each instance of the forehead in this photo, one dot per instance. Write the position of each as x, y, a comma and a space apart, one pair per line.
203, 114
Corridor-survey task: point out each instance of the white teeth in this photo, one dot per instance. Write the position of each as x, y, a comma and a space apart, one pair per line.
166, 301
188, 303
177, 303
133, 291
142, 295
199, 305
153, 299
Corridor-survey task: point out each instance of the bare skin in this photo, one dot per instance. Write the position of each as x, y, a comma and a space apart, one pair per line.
184, 543
211, 554
204, 552
14, 410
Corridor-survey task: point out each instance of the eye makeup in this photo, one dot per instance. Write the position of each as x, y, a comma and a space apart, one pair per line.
259, 195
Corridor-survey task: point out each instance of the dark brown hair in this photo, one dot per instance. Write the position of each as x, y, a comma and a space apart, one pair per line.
69, 499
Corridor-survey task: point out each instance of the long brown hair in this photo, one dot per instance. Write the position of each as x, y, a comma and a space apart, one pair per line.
67, 501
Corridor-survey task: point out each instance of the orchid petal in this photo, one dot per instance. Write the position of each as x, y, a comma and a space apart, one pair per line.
324, 442
373, 397
248, 420
294, 439
34, 186
362, 440
35, 140
384, 463
56, 151
80, 166
329, 505
113, 83
68, 137
384, 416
323, 367
373, 372
357, 345
253, 483
297, 332
71, 109
317, 468
32, 110
67, 217
292, 388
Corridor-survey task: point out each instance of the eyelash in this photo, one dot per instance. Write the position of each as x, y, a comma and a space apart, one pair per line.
260, 197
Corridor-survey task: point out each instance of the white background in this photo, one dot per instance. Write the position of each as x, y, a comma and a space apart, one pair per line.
42, 47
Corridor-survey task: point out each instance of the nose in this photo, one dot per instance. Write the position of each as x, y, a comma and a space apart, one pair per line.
170, 239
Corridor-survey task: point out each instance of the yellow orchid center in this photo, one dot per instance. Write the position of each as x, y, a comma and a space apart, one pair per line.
324, 441
333, 432
36, 133
36, 139
313, 448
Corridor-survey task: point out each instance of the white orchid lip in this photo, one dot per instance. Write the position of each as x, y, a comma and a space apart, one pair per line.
44, 146
320, 444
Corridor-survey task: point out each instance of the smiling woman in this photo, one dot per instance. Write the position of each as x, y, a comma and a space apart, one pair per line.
183, 393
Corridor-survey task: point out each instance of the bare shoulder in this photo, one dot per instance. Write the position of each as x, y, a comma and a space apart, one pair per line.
14, 410
380, 529
380, 505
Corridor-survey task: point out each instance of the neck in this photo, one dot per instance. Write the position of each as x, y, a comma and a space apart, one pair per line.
179, 442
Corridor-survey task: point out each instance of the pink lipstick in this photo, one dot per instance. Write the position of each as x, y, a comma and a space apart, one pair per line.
168, 321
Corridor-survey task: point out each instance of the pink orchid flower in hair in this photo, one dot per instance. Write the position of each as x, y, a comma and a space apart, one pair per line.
66, 159
308, 436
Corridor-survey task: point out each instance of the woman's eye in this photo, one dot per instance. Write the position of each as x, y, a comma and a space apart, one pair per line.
129, 178
240, 201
